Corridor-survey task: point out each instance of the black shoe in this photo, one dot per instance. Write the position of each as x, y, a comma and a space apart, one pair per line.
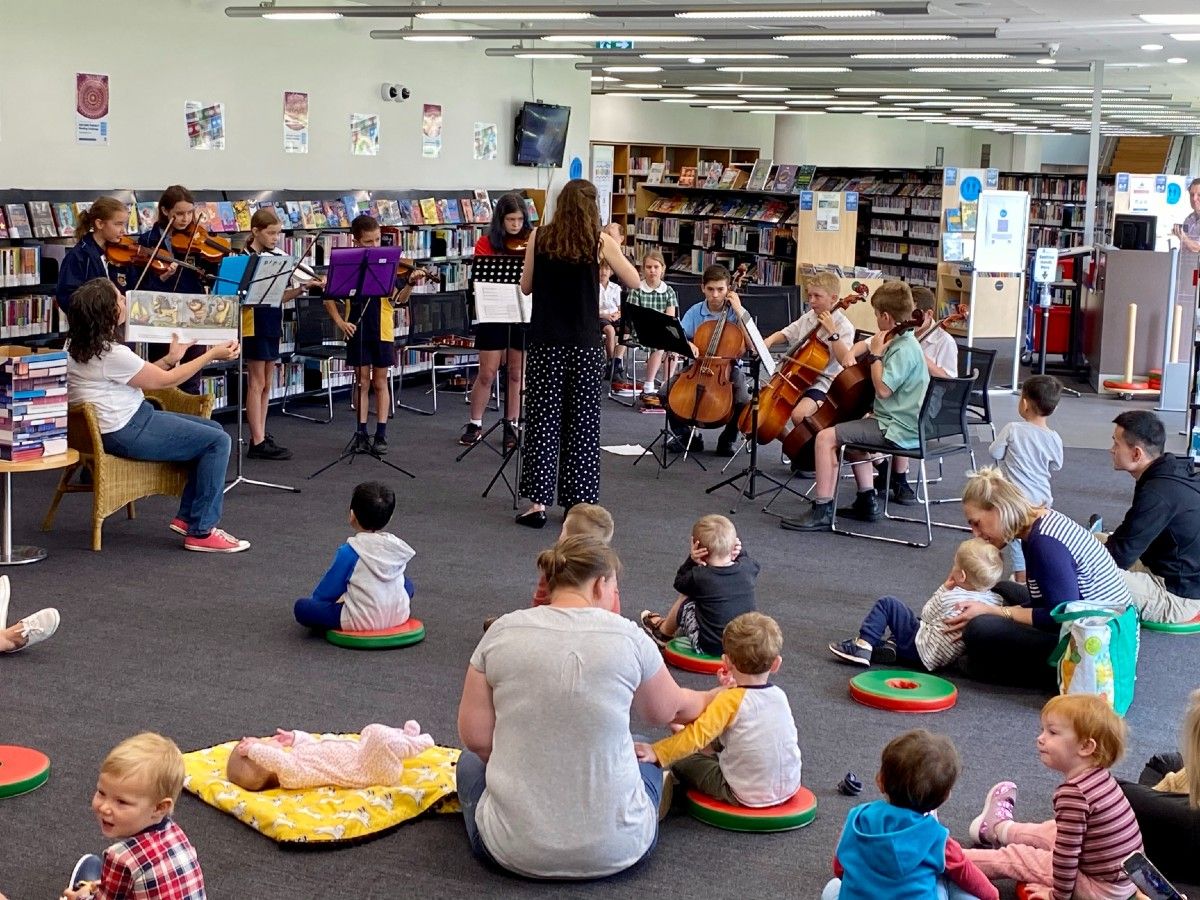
471, 435
679, 442
884, 654
533, 519
510, 437
268, 450
362, 443
865, 508
903, 493
379, 445
724, 448
880, 481
819, 518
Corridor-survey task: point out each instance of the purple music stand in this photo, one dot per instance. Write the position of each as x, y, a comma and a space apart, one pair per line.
362, 272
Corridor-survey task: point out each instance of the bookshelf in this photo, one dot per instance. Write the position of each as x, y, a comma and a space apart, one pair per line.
29, 263
632, 165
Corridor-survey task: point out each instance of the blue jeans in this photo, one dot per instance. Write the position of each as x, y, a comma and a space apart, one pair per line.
946, 890
1016, 553
890, 614
472, 779
326, 615
160, 436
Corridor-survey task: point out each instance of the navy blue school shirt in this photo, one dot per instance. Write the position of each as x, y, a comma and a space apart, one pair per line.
82, 263
182, 281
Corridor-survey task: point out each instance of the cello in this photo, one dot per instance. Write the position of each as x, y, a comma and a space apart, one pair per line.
703, 395
851, 394
796, 373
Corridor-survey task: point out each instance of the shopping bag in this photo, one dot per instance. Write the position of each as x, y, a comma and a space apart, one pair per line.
1097, 652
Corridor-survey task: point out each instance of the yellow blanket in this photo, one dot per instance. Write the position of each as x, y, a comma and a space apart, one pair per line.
325, 815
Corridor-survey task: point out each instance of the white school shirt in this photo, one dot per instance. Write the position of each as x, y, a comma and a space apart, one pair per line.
103, 381
610, 298
940, 346
803, 325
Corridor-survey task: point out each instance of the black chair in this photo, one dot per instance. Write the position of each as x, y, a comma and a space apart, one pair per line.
942, 431
979, 404
317, 337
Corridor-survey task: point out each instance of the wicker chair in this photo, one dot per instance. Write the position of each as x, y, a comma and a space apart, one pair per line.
116, 481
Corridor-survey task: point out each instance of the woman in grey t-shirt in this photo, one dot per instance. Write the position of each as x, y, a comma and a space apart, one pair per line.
549, 783
1188, 231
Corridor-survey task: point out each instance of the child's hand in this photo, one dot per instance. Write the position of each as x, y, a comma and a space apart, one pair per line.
82, 892
243, 746
699, 553
725, 677
285, 738
645, 752
1038, 892
737, 550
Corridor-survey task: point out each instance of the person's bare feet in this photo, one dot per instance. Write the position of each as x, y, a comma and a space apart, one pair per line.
12, 638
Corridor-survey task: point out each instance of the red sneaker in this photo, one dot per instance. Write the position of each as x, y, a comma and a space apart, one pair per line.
216, 541
178, 525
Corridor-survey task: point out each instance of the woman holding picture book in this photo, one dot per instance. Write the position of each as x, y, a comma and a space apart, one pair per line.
105, 373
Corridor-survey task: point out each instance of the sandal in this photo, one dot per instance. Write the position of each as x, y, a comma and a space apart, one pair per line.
651, 623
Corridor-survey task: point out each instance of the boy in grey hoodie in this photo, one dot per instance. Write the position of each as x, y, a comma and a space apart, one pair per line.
366, 588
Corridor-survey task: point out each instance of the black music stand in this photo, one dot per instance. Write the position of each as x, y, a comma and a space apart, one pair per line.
368, 273
503, 272
658, 331
239, 277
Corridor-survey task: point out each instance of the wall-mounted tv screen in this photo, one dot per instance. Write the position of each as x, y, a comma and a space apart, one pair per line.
541, 135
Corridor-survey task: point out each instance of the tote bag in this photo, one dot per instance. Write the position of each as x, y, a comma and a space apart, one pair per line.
1097, 652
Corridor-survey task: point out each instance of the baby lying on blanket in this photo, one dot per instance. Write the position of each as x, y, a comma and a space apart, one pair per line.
295, 759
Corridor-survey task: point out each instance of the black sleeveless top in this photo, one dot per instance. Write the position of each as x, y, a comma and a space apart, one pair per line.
566, 302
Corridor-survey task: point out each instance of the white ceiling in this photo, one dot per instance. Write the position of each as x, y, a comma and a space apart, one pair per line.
1105, 30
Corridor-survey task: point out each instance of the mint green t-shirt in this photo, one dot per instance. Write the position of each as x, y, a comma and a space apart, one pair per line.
905, 372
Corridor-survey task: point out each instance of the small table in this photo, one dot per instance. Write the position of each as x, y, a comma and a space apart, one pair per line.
18, 556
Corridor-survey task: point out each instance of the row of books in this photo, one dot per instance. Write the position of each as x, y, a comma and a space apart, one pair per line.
903, 251
44, 219
217, 387
876, 186
29, 315
1042, 212
20, 266
33, 405
763, 210
912, 276
1054, 237
1049, 187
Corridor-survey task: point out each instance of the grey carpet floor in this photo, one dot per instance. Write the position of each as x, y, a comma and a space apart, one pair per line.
204, 649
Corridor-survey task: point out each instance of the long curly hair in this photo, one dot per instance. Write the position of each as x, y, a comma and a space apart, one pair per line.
93, 322
574, 232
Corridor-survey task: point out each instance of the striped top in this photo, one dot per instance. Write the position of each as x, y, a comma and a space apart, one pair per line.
1096, 830
934, 646
1064, 562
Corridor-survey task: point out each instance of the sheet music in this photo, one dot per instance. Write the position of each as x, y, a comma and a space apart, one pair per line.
269, 280
501, 303
760, 347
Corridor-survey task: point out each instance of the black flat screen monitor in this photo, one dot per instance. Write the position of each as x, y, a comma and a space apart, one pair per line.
541, 135
1134, 232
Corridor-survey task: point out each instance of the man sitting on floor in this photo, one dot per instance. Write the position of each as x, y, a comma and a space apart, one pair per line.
1158, 542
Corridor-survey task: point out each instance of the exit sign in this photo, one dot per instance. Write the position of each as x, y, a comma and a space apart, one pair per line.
614, 45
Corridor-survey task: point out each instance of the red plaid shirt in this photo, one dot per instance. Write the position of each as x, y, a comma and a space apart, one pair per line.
156, 864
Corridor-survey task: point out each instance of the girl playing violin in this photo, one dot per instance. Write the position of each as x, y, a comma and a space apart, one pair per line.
506, 236
102, 223
368, 326
262, 327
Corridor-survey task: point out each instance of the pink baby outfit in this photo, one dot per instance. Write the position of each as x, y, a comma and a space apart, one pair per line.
377, 758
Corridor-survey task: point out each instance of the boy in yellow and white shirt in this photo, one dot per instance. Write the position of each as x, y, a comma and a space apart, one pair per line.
743, 749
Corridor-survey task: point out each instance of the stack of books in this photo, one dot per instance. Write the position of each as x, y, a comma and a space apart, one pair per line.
33, 403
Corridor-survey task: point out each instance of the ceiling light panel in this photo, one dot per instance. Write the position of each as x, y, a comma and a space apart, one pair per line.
1171, 19
978, 70
798, 70
778, 14
636, 38
709, 56
931, 56
829, 37
516, 15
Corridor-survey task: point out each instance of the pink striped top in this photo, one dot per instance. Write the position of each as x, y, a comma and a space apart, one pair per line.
1096, 829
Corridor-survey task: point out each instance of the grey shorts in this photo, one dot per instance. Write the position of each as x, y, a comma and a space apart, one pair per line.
862, 431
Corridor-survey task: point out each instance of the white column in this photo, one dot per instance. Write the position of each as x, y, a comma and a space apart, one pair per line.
1089, 222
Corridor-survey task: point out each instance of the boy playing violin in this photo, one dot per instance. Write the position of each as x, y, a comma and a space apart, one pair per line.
717, 297
368, 325
900, 377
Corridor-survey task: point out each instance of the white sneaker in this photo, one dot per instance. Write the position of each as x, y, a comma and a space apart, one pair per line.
37, 627
4, 593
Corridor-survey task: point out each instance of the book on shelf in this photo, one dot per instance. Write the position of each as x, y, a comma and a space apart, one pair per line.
429, 211
712, 175
320, 220
530, 210
953, 248
656, 173
308, 217
3, 225
732, 178
82, 206
970, 210
687, 176
804, 177
416, 215
228, 217
954, 220
241, 213
759, 175
18, 221
42, 219
147, 214
785, 178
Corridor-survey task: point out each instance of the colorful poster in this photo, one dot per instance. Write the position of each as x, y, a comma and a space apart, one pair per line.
91, 108
485, 140
204, 318
364, 134
431, 130
205, 125
295, 122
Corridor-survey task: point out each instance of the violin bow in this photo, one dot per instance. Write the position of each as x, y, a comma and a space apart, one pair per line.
146, 268
200, 217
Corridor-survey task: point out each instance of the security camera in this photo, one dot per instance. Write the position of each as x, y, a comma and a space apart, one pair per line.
397, 93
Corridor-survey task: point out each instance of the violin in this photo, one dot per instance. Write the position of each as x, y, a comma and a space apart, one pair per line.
407, 269
126, 251
796, 373
703, 395
195, 240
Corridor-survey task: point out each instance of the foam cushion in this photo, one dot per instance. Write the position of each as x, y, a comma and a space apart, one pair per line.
410, 632
22, 769
325, 815
796, 812
1192, 626
899, 690
680, 654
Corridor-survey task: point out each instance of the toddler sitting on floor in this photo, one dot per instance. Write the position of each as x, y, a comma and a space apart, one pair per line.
297, 760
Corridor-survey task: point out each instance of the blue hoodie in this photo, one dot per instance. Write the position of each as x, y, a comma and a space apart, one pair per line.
891, 852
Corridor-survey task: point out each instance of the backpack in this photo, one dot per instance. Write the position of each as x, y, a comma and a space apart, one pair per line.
1097, 653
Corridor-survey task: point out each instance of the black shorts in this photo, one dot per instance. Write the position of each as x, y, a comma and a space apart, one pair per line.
815, 395
260, 348
376, 353
497, 336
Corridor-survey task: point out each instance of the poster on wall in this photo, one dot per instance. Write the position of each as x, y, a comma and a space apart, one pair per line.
91, 108
602, 178
1002, 231
431, 130
364, 134
204, 318
485, 140
829, 206
295, 122
205, 125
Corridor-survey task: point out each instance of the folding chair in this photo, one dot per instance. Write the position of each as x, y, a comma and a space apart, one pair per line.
317, 337
979, 404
